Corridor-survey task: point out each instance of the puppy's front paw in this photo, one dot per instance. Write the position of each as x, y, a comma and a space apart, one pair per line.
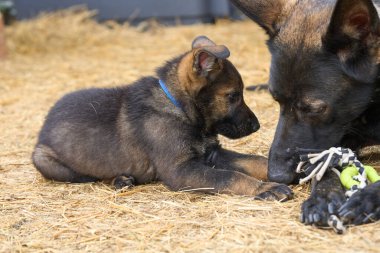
363, 206
123, 181
274, 191
317, 209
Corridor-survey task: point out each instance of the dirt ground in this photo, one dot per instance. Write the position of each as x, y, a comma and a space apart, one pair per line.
56, 54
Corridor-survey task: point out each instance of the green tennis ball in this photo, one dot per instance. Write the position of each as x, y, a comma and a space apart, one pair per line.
346, 177
371, 174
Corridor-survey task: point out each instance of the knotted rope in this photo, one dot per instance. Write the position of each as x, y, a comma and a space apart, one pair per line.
315, 163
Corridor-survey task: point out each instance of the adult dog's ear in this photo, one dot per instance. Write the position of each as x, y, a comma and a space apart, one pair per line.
207, 57
353, 35
266, 13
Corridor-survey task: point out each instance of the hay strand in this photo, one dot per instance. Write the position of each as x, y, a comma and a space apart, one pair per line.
58, 53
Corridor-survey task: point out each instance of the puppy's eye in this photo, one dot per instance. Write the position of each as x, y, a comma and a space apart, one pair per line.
233, 97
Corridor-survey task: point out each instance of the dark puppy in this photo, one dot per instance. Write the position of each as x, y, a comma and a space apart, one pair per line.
324, 74
159, 129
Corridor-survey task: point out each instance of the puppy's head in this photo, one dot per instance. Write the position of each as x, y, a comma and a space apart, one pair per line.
216, 89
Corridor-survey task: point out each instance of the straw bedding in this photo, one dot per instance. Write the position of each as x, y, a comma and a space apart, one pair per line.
66, 51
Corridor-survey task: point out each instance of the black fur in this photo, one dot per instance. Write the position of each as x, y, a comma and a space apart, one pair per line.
325, 75
134, 134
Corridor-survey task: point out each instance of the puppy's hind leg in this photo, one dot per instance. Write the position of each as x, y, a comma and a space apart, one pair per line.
122, 181
46, 162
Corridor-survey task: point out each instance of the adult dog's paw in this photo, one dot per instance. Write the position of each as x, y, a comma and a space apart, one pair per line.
279, 192
317, 209
363, 206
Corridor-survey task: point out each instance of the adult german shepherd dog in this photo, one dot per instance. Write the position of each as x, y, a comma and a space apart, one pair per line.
325, 75
160, 129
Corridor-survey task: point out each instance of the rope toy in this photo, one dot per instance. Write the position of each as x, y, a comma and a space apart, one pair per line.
351, 179
354, 175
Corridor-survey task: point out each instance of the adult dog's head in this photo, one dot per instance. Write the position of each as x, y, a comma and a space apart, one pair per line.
323, 71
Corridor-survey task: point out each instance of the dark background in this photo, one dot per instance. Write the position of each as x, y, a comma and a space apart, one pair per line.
135, 11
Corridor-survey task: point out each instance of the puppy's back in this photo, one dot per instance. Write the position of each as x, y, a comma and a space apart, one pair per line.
88, 107
87, 133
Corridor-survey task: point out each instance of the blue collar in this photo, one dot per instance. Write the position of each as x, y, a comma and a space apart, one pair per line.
168, 95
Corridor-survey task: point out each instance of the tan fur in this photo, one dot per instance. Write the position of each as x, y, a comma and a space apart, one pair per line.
187, 78
139, 134
256, 167
309, 27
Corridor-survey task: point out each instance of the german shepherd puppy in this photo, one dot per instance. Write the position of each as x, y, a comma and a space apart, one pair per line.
162, 129
325, 76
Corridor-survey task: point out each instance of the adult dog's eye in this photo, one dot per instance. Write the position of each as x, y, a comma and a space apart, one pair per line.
233, 97
313, 107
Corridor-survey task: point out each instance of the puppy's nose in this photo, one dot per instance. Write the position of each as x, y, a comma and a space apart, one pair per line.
255, 126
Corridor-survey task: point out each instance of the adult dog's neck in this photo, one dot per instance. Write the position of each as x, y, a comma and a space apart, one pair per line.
377, 88
371, 117
367, 124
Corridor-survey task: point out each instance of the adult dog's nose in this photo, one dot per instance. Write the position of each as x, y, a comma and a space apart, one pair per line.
281, 169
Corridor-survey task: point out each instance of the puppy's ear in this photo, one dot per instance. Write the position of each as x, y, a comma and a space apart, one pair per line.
202, 41
203, 64
353, 35
207, 59
266, 13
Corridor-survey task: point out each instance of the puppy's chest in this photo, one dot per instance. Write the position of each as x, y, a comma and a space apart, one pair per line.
207, 145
